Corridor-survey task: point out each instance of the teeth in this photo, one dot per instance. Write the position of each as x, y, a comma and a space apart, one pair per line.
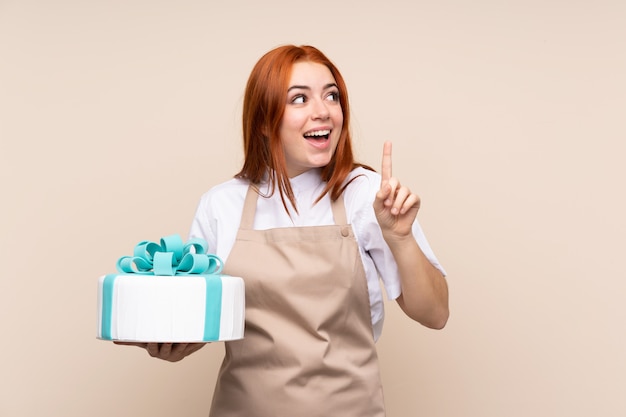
318, 133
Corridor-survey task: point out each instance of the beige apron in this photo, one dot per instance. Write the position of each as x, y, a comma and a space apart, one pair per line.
308, 348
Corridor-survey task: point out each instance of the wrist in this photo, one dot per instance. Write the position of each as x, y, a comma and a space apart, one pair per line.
395, 241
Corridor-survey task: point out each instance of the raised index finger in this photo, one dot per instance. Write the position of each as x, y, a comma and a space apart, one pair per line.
385, 171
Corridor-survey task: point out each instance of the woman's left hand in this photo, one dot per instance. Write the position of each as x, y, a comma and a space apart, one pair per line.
395, 205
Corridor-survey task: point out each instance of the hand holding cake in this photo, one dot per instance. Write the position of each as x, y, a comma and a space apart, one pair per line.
171, 352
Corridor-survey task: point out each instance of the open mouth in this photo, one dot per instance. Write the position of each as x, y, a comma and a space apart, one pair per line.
317, 134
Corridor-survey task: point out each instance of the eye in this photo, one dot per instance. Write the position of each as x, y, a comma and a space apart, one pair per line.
299, 99
333, 96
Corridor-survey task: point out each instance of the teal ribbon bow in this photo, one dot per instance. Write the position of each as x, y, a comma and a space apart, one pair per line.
171, 257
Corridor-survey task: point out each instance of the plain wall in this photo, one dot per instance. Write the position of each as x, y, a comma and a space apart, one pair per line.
507, 117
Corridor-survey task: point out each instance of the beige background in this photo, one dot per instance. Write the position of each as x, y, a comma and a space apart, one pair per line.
507, 118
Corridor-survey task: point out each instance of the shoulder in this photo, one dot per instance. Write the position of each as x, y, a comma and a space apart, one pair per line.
362, 186
224, 198
218, 214
364, 178
231, 189
358, 196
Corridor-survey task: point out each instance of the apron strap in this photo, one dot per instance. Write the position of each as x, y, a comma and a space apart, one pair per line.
249, 209
339, 211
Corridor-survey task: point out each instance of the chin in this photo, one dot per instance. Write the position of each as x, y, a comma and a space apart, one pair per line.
320, 163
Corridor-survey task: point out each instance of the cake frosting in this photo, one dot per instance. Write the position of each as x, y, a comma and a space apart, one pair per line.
170, 292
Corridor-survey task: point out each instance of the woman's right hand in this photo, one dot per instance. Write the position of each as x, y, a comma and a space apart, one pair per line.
172, 352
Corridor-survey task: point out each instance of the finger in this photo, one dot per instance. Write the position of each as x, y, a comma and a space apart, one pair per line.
138, 344
165, 350
400, 200
393, 186
193, 347
385, 171
183, 349
414, 201
153, 349
381, 197
406, 201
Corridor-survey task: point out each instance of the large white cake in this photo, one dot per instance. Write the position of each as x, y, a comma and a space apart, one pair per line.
191, 302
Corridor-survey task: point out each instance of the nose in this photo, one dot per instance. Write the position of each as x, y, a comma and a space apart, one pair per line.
320, 110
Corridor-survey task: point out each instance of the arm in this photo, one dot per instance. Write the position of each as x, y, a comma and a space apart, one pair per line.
424, 296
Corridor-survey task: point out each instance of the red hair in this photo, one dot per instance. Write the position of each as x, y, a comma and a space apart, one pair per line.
263, 109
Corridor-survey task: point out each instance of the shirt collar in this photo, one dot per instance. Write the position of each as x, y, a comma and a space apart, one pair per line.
308, 180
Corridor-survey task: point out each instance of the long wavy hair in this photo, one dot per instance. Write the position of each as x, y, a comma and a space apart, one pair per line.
263, 109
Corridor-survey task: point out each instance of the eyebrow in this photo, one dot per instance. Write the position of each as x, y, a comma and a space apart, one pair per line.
305, 87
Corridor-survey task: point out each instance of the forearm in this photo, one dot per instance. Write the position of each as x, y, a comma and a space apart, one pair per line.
424, 295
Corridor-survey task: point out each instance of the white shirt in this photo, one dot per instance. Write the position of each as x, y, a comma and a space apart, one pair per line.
219, 213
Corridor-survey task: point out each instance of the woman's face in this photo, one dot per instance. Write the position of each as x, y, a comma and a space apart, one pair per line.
312, 122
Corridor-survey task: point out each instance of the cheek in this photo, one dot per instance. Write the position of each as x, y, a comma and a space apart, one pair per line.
338, 120
287, 129
336, 114
293, 122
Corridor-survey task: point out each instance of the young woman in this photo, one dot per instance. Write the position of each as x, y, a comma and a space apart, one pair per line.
311, 231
